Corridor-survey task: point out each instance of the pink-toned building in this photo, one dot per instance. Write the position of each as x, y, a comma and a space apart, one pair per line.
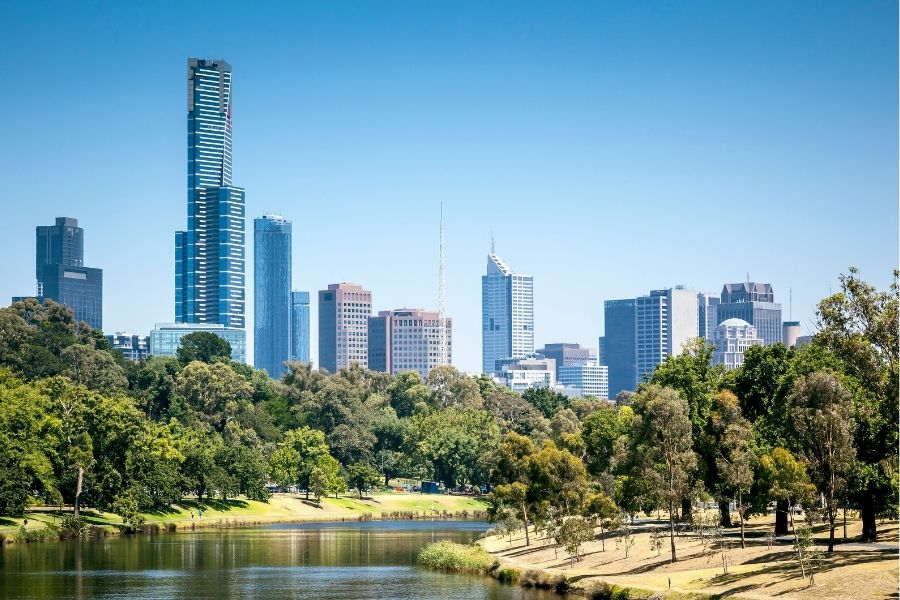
409, 339
344, 311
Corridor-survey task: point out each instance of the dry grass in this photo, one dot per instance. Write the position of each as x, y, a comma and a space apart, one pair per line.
852, 571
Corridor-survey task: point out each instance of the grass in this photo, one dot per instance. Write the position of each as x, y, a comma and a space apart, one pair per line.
457, 558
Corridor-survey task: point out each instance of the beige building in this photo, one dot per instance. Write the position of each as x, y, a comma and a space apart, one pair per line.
344, 311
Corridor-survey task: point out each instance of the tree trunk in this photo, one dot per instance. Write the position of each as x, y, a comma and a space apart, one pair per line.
831, 517
845, 523
685, 510
781, 517
867, 515
672, 529
78, 492
602, 538
525, 521
725, 514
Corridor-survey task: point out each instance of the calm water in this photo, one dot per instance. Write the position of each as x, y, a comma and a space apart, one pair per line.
337, 560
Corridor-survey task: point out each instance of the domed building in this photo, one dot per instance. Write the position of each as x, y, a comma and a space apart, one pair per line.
732, 337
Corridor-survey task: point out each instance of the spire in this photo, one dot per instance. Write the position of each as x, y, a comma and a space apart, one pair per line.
493, 249
442, 297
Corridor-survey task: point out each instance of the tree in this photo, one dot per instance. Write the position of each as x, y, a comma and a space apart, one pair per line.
664, 444
572, 534
203, 346
94, 369
318, 483
545, 400
214, 392
786, 479
305, 447
456, 444
362, 477
735, 466
557, 478
600, 431
449, 388
822, 417
603, 511
514, 495
859, 326
284, 466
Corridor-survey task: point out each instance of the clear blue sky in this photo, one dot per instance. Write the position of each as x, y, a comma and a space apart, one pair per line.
613, 147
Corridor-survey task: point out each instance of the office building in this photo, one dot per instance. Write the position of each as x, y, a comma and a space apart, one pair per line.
589, 378
790, 333
567, 355
133, 347
272, 305
210, 253
707, 317
755, 303
408, 339
344, 311
732, 338
300, 326
525, 373
665, 321
166, 338
60, 273
507, 314
619, 345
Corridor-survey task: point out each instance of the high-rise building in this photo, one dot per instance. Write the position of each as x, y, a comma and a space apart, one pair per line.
209, 254
790, 332
755, 303
61, 275
567, 355
707, 315
507, 314
619, 350
300, 326
271, 293
665, 321
521, 374
344, 311
589, 378
408, 339
133, 347
732, 337
165, 338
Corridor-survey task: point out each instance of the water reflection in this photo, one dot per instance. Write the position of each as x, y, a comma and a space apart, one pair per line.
322, 561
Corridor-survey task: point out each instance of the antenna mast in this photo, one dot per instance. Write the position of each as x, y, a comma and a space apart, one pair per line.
442, 298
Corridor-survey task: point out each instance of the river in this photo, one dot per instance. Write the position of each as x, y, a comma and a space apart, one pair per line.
319, 561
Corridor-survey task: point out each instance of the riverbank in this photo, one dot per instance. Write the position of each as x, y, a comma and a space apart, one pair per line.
853, 571
281, 508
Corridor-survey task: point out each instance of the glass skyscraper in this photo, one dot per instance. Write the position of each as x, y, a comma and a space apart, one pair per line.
755, 303
300, 326
507, 314
209, 255
619, 345
271, 293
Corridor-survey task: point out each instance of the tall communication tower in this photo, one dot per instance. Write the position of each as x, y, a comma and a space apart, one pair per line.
442, 298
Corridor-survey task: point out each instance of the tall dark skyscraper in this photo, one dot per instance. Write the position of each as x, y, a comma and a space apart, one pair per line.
271, 293
300, 326
755, 303
619, 352
209, 255
60, 272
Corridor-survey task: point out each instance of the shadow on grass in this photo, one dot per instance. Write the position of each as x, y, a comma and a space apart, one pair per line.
6, 521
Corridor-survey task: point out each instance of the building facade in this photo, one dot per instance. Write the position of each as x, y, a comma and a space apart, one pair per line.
755, 303
619, 346
665, 321
707, 316
210, 253
525, 373
271, 293
409, 339
590, 379
790, 333
732, 338
344, 311
507, 314
133, 347
165, 338
300, 327
60, 273
567, 355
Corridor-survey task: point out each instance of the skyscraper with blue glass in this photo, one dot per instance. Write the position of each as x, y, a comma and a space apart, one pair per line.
507, 314
271, 293
300, 326
209, 255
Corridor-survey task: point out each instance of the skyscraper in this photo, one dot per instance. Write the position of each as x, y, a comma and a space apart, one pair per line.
300, 326
60, 272
507, 314
619, 345
755, 303
271, 293
209, 255
664, 321
408, 339
707, 315
344, 311
567, 355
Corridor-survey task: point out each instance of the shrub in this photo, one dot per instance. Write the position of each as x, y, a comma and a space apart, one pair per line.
509, 575
459, 558
45, 534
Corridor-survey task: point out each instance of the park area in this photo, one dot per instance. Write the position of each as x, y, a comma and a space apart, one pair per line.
713, 564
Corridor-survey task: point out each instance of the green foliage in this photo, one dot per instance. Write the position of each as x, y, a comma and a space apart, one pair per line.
545, 400
456, 444
457, 558
362, 477
203, 346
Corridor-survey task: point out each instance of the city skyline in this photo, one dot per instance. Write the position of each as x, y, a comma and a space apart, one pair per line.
769, 155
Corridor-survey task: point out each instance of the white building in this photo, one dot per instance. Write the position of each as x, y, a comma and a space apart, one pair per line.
664, 322
732, 338
590, 379
526, 373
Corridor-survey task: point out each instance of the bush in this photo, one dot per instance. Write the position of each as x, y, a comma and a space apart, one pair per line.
509, 575
73, 527
458, 558
543, 580
45, 534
